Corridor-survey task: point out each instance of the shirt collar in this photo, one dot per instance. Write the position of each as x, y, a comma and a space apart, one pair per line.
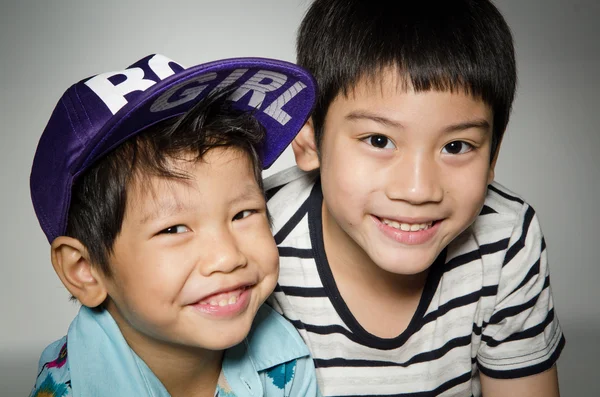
102, 363
101, 360
272, 341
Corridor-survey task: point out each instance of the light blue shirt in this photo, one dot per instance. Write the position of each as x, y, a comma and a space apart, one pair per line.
97, 361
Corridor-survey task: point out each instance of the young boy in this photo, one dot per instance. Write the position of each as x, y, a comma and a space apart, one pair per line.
147, 183
407, 270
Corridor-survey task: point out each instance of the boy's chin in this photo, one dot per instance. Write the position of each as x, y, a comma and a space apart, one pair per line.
214, 339
227, 340
411, 264
225, 335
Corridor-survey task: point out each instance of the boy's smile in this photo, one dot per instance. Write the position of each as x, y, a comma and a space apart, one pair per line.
408, 231
402, 173
195, 258
225, 303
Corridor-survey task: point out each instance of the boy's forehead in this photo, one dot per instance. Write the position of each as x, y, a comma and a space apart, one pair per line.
382, 80
149, 194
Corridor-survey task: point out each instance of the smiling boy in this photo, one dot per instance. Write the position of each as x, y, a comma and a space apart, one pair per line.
407, 270
147, 183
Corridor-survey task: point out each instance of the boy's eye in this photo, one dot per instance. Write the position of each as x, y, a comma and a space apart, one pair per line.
243, 214
457, 147
379, 142
175, 230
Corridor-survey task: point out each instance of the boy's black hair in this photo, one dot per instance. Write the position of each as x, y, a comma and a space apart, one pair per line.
446, 45
99, 197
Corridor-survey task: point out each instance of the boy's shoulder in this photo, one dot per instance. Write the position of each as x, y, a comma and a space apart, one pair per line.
286, 191
500, 199
506, 222
54, 377
502, 211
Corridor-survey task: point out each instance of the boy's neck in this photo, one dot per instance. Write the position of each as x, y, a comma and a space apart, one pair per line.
186, 373
370, 292
183, 371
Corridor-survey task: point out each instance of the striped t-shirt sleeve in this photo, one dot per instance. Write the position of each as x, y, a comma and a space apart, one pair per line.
522, 335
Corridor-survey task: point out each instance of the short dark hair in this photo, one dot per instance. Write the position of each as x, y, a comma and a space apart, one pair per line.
450, 45
99, 197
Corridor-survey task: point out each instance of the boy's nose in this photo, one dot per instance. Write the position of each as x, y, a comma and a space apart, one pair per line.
415, 179
221, 253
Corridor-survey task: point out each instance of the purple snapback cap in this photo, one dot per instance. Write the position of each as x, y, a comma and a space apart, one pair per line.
97, 114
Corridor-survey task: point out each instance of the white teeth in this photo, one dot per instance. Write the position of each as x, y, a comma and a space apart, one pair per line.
222, 300
407, 227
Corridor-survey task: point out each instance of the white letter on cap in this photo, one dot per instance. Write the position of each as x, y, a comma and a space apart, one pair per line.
232, 78
274, 110
114, 95
162, 103
259, 90
160, 65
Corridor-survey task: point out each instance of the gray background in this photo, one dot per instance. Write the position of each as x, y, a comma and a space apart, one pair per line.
550, 153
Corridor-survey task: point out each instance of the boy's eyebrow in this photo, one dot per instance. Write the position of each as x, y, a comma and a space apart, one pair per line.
165, 208
481, 124
363, 114
251, 192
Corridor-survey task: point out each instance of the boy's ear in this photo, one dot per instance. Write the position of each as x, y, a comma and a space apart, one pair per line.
72, 264
305, 148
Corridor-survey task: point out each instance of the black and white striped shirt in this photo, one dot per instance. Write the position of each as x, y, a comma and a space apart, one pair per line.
486, 306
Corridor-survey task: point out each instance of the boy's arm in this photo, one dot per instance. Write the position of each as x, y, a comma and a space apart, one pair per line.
544, 384
522, 339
